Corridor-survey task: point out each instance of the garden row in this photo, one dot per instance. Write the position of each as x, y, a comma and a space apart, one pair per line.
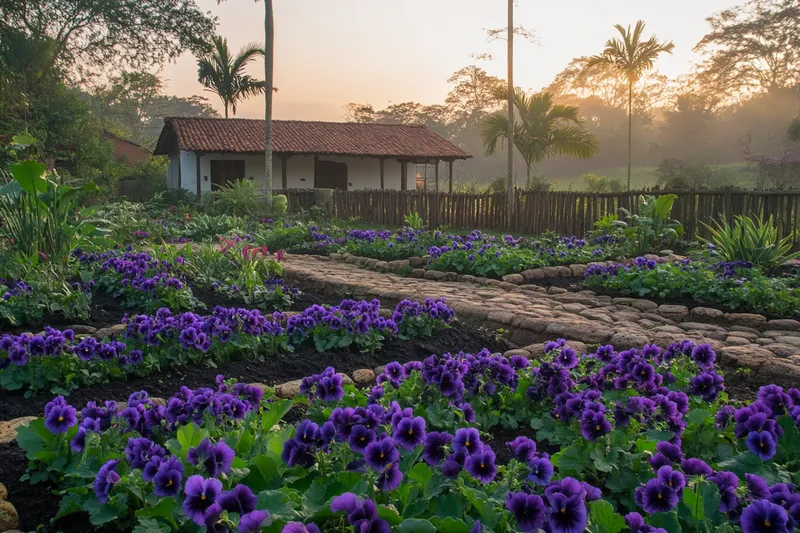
641, 439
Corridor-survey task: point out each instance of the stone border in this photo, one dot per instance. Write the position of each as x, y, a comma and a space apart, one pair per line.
419, 269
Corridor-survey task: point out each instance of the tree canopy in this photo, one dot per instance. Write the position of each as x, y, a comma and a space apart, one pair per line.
223, 73
90, 36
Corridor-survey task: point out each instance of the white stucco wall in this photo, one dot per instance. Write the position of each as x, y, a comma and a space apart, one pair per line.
362, 173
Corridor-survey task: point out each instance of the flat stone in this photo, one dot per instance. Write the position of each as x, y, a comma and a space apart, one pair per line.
626, 316
3, 492
379, 370
782, 350
533, 274
625, 340
592, 314
516, 279
699, 326
794, 341
573, 307
346, 380
706, 313
467, 278
785, 324
415, 261
519, 351
538, 325
550, 272
336, 257
507, 286
744, 335
9, 519
626, 301
263, 386
578, 270
418, 273
669, 329
288, 390
434, 275
8, 429
736, 341
644, 305
673, 312
588, 333
351, 259
764, 342
744, 329
750, 320
381, 265
563, 271
556, 290
533, 288
82, 329
364, 376
111, 332
501, 317
537, 350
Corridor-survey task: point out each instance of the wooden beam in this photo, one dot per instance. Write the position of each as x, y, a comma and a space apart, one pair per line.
403, 175
197, 164
450, 163
436, 174
383, 162
284, 179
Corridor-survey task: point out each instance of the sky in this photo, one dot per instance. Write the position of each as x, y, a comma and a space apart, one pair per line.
329, 53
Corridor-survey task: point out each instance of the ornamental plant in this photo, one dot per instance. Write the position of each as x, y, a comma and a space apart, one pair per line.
734, 285
642, 439
61, 362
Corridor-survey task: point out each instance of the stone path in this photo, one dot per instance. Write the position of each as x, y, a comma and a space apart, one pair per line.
771, 348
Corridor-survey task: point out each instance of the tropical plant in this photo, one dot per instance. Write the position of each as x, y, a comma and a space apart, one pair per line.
750, 239
38, 213
414, 221
544, 129
238, 198
631, 57
653, 225
224, 74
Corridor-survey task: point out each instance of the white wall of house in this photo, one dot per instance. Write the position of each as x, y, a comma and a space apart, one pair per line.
362, 173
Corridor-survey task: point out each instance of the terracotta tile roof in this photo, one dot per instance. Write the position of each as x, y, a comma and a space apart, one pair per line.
236, 135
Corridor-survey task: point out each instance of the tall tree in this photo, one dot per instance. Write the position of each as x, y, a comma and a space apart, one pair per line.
754, 47
90, 36
474, 95
224, 74
544, 129
269, 59
631, 56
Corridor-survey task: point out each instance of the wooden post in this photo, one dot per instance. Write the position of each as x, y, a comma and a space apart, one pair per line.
284, 179
197, 164
383, 161
450, 164
436, 174
403, 176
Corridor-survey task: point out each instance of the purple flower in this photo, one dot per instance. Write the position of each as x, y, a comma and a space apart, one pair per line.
528, 510
433, 450
696, 467
105, 479
467, 440
200, 495
60, 418
522, 448
360, 438
410, 432
594, 425
757, 487
762, 516
239, 500
704, 356
762, 444
657, 497
567, 358
381, 453
253, 521
672, 478
481, 465
567, 514
139, 451
168, 478
216, 459
541, 471
390, 478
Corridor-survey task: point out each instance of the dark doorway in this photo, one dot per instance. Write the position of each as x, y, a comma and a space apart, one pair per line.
330, 175
225, 171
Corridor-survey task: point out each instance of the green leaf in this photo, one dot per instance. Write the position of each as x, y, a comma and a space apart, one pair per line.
191, 436
604, 519
749, 463
277, 503
415, 525
452, 525
389, 514
449, 505
34, 437
162, 509
100, 514
30, 176
150, 525
277, 410
667, 521
658, 436
698, 416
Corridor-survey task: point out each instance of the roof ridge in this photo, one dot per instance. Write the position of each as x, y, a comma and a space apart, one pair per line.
242, 119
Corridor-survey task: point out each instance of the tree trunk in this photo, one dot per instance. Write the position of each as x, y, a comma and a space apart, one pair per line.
510, 184
226, 109
528, 174
269, 53
630, 130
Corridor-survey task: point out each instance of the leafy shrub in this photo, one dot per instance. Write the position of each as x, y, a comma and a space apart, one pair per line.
414, 221
733, 285
241, 198
280, 204
752, 240
653, 226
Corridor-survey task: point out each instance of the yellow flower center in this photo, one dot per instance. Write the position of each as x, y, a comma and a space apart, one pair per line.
597, 427
202, 496
466, 443
766, 523
643, 372
381, 455
761, 444
362, 439
563, 509
410, 431
389, 466
60, 418
169, 484
659, 496
482, 465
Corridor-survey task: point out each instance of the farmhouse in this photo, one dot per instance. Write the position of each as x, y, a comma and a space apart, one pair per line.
206, 153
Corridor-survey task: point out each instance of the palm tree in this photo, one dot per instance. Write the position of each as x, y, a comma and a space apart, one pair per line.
543, 129
222, 73
631, 57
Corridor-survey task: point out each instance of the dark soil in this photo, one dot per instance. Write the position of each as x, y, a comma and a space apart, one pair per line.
571, 283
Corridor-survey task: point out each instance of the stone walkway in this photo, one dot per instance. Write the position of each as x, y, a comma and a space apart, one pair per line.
771, 348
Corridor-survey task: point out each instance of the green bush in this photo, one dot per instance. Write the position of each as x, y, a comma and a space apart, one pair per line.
750, 239
241, 198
